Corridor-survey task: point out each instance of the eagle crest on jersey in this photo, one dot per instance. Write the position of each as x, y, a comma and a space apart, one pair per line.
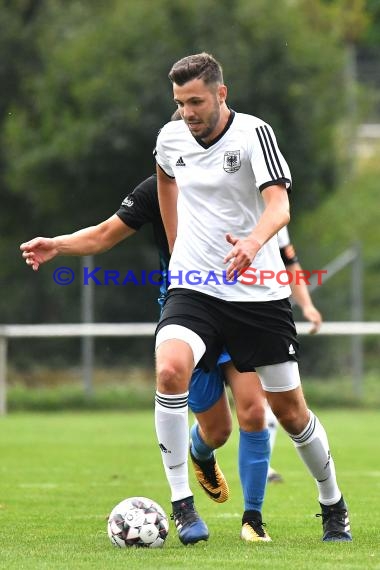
231, 161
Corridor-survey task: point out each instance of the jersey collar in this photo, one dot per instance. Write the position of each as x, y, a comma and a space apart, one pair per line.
214, 141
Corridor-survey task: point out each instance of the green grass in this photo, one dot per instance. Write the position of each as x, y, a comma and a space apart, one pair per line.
62, 473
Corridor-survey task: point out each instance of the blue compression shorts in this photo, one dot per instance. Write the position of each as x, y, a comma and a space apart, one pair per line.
206, 388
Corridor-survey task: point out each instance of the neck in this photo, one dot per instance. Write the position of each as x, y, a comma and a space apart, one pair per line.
223, 120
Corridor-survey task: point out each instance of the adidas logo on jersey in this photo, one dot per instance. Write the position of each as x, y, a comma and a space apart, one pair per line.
180, 162
291, 349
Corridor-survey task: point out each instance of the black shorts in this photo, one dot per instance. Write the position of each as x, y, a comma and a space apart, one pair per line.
254, 333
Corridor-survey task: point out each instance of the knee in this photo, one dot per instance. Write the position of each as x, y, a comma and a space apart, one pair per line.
172, 378
290, 409
222, 435
216, 436
292, 418
252, 417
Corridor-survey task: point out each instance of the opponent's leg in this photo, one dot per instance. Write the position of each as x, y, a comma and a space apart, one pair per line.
208, 400
254, 449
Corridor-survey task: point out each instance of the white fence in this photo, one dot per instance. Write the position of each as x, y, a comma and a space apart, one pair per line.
90, 330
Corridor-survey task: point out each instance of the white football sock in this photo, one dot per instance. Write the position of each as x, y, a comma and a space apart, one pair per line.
313, 448
172, 429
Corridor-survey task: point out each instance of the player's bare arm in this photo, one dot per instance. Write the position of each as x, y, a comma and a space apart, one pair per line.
275, 216
302, 297
87, 241
167, 198
311, 314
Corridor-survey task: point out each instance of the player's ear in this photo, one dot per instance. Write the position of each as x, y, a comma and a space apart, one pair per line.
222, 93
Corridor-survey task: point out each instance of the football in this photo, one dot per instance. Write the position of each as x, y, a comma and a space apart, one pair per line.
139, 522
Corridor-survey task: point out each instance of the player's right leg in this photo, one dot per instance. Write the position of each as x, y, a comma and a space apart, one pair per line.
177, 348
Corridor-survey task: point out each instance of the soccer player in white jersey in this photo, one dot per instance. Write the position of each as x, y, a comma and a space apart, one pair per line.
207, 394
231, 183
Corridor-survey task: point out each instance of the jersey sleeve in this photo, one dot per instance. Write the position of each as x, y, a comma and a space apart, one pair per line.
161, 156
268, 163
287, 251
140, 206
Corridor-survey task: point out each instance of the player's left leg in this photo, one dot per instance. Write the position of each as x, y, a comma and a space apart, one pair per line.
285, 396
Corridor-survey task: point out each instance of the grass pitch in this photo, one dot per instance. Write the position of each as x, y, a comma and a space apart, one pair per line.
61, 474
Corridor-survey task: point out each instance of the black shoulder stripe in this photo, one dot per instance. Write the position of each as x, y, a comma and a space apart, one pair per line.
259, 135
274, 151
269, 152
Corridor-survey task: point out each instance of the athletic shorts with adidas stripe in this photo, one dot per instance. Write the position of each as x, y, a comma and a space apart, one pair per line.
253, 333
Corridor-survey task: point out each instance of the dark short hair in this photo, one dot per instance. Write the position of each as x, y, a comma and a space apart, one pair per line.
199, 66
176, 116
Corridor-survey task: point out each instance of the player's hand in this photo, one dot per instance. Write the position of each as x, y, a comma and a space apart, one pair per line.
314, 316
241, 255
38, 251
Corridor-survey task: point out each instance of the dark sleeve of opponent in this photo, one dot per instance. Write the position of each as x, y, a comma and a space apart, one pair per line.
141, 205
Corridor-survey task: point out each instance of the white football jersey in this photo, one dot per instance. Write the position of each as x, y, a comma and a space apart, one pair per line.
220, 188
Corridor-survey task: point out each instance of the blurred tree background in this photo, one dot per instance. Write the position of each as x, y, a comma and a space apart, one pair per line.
84, 93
